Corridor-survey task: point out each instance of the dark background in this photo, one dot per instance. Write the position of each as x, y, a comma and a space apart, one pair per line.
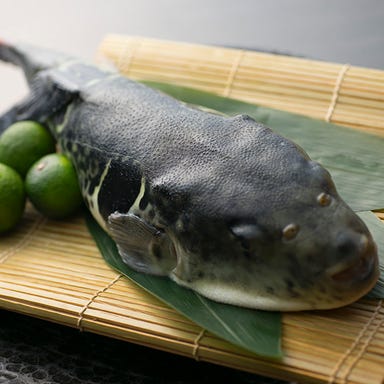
343, 31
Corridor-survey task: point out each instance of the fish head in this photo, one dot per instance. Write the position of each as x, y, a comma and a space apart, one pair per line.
320, 254
304, 249
317, 257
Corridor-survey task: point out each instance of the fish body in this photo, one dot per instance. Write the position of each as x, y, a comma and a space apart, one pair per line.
221, 205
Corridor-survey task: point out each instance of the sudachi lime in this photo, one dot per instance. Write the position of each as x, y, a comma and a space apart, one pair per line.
12, 198
23, 143
52, 186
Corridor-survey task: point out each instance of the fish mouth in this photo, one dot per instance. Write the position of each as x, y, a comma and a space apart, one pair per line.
362, 269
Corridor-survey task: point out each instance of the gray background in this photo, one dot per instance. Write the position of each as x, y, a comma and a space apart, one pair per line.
344, 31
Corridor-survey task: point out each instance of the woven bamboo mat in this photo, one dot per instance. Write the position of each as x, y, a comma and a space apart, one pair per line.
343, 94
53, 270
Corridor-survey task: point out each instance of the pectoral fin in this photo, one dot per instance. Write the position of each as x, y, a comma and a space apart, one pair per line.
142, 246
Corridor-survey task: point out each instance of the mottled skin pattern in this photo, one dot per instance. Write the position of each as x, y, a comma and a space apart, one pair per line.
219, 204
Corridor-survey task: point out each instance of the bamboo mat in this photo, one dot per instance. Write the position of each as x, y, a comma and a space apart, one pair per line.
53, 270
343, 94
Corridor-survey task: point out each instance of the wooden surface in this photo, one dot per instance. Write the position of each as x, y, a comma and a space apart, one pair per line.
53, 270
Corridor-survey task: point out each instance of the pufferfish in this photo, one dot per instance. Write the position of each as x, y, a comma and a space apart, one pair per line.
221, 205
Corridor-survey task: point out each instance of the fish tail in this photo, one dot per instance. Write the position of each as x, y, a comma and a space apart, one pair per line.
31, 59
7, 52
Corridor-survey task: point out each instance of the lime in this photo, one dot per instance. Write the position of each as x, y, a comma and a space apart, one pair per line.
52, 186
12, 198
23, 143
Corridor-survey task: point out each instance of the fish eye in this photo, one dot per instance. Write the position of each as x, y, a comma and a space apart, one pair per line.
324, 199
290, 231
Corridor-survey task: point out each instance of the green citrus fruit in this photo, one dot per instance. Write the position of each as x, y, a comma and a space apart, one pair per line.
23, 143
12, 198
52, 186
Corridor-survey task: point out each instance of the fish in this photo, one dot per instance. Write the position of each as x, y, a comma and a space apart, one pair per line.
219, 204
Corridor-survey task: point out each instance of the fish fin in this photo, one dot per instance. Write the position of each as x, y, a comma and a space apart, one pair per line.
8, 118
30, 58
142, 246
45, 99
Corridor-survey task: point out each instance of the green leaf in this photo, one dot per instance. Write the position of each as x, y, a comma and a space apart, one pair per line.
354, 159
376, 228
256, 331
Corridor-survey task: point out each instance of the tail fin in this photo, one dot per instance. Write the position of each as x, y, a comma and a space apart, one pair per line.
31, 59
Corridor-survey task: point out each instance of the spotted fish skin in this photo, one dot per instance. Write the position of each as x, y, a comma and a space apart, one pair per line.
222, 205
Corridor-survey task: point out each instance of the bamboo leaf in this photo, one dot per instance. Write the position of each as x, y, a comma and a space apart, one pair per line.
353, 158
256, 331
